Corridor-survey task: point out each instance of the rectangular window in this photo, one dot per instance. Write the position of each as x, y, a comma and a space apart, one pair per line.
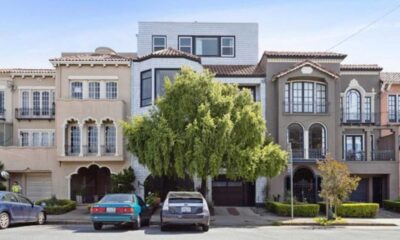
398, 108
145, 88
207, 46
287, 97
36, 103
308, 97
94, 90
321, 98
75, 140
159, 43
185, 44
92, 139
297, 89
227, 46
111, 90
367, 106
161, 76
45, 139
110, 139
76, 90
392, 108
36, 139
1, 103
24, 142
45, 103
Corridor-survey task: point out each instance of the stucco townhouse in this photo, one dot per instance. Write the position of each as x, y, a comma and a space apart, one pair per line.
60, 133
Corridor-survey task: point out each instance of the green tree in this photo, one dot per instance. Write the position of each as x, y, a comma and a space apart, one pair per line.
200, 126
123, 182
336, 184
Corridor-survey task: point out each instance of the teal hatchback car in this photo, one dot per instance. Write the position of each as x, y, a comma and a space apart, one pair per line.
118, 209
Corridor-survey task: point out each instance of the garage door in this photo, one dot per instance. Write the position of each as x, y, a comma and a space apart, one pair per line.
38, 186
361, 193
232, 193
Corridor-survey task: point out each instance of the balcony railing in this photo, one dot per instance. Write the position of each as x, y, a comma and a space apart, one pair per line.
354, 117
72, 150
316, 154
305, 108
90, 150
35, 113
355, 156
383, 155
108, 149
2, 114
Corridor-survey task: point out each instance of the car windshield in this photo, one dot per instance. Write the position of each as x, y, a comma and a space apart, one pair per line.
117, 198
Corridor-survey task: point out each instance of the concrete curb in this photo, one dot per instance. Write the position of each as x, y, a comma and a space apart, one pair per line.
338, 224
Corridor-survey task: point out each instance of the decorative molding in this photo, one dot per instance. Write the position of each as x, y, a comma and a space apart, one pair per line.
93, 77
359, 73
318, 60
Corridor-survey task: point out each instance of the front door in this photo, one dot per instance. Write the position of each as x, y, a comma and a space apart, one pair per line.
354, 148
377, 189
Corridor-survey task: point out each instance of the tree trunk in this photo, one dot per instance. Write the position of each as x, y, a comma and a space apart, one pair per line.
203, 187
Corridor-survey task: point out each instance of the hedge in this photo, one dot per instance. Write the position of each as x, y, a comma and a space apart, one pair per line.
356, 210
57, 206
391, 205
300, 210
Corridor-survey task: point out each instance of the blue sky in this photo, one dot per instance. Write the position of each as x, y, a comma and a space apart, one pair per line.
33, 31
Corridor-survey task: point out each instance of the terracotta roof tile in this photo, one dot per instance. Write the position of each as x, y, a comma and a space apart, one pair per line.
305, 63
360, 67
91, 57
390, 77
27, 70
236, 70
284, 54
170, 53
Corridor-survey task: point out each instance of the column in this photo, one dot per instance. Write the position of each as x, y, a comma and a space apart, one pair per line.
367, 145
99, 130
85, 89
63, 147
305, 144
103, 90
68, 178
116, 139
81, 140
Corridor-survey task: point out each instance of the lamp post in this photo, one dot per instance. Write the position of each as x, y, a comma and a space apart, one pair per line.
290, 169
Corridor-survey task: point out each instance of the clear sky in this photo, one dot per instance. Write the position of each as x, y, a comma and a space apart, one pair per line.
32, 31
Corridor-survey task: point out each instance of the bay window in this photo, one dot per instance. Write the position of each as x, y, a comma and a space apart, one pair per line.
305, 97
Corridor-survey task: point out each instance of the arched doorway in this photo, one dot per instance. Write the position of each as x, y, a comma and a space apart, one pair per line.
304, 185
92, 183
162, 185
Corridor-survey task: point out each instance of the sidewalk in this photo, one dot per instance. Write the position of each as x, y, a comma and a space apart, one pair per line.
240, 217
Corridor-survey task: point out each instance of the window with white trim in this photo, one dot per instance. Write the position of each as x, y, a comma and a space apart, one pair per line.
305, 97
36, 138
76, 90
145, 88
94, 90
24, 139
92, 139
75, 140
110, 139
207, 46
159, 43
25, 103
111, 90
161, 76
227, 46
394, 108
2, 103
185, 44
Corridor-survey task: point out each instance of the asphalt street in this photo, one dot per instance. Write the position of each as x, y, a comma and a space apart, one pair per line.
82, 232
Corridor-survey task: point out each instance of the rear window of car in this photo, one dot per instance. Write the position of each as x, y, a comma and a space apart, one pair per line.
185, 200
117, 198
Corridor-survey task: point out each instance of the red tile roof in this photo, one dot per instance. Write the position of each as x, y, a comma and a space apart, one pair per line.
236, 70
91, 57
360, 67
38, 71
170, 53
390, 77
284, 54
306, 63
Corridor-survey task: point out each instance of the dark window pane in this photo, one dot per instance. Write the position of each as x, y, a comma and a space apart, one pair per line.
185, 41
161, 76
159, 41
207, 46
145, 88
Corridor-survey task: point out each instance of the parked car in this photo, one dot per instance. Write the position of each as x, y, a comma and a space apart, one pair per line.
118, 209
15, 208
185, 208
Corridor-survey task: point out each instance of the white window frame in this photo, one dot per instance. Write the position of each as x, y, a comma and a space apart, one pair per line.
111, 93
186, 46
95, 93
164, 46
222, 47
72, 92
40, 133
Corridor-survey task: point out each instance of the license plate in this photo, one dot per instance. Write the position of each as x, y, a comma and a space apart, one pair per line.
110, 210
186, 209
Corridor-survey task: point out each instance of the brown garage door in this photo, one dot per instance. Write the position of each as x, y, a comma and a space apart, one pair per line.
232, 193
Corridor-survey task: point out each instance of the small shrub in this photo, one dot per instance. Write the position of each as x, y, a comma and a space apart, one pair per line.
353, 209
300, 209
57, 206
327, 222
391, 205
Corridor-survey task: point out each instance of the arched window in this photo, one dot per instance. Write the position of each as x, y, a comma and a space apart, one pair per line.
353, 105
317, 141
110, 139
75, 140
295, 137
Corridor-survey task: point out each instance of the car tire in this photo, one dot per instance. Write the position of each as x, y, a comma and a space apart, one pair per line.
205, 228
137, 224
97, 225
41, 218
4, 220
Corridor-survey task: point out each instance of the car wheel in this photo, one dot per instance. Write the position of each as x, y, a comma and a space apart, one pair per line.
4, 220
137, 224
41, 218
97, 225
205, 228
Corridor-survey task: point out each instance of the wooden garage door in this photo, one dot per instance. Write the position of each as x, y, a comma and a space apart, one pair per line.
232, 193
38, 186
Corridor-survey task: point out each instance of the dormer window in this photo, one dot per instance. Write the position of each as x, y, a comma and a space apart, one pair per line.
159, 43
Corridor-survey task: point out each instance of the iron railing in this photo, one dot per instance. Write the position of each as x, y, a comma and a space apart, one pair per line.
383, 155
355, 156
108, 150
72, 150
316, 154
35, 113
358, 117
90, 149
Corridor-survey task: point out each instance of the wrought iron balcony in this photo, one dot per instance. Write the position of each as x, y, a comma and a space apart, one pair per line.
35, 113
358, 117
108, 150
356, 156
72, 150
90, 150
316, 154
383, 155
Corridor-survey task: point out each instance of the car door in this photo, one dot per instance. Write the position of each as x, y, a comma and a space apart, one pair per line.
146, 211
28, 209
14, 207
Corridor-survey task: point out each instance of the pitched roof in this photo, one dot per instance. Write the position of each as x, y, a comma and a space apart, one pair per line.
306, 63
390, 77
91, 57
284, 54
360, 67
236, 70
170, 53
28, 70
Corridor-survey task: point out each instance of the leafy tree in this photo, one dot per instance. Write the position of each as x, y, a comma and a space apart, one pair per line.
337, 184
123, 181
200, 126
